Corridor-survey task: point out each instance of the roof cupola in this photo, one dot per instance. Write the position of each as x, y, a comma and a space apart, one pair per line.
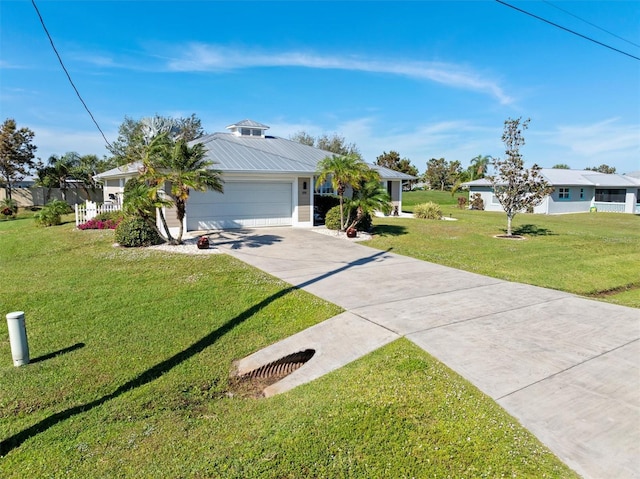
248, 128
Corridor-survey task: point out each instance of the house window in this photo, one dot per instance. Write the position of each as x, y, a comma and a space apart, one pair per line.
495, 200
564, 193
325, 188
250, 132
582, 193
611, 195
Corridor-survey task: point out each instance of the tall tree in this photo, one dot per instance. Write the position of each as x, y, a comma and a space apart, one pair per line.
344, 171
333, 143
442, 173
388, 160
61, 171
304, 138
62, 168
561, 166
135, 135
393, 161
479, 166
610, 170
16, 153
517, 188
184, 168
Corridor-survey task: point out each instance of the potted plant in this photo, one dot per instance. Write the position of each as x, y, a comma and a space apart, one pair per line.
203, 242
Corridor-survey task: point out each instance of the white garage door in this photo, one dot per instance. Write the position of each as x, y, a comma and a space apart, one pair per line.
244, 204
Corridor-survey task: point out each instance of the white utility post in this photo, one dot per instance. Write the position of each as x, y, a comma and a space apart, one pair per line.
18, 338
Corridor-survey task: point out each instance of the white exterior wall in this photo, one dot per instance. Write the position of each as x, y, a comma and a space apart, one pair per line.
553, 204
295, 192
574, 204
487, 196
114, 187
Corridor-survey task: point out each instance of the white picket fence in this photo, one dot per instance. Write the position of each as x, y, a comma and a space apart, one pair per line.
90, 210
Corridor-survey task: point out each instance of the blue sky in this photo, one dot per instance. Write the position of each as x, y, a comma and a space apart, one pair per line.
424, 78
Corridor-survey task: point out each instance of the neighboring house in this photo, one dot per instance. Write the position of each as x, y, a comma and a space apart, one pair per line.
575, 191
268, 181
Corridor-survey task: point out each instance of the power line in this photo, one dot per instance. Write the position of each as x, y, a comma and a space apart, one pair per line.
568, 30
589, 23
67, 73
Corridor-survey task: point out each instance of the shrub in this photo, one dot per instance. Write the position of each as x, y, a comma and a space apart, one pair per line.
135, 232
428, 211
51, 213
96, 224
477, 203
332, 218
8, 207
462, 202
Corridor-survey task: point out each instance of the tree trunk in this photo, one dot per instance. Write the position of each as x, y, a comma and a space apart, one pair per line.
180, 213
164, 225
342, 225
509, 218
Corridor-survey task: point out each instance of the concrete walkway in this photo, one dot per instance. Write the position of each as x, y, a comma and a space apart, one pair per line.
567, 368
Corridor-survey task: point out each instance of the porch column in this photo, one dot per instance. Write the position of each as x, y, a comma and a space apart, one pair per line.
630, 200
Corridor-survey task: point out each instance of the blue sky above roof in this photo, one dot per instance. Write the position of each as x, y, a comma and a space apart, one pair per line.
424, 78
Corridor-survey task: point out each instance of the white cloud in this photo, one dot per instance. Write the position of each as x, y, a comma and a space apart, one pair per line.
608, 141
200, 57
453, 140
597, 139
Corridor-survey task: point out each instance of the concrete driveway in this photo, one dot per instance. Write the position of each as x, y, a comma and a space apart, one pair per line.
567, 368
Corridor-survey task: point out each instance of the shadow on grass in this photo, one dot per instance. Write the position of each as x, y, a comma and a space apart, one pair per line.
165, 366
57, 353
389, 230
531, 230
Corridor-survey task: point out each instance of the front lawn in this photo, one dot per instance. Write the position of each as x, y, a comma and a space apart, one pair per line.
591, 254
131, 351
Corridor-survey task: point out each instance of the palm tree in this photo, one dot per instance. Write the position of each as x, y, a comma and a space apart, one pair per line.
184, 168
479, 166
141, 200
368, 199
344, 171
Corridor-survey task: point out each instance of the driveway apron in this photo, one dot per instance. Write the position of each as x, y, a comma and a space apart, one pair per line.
566, 367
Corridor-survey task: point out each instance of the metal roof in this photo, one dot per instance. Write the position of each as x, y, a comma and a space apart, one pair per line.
231, 153
561, 177
389, 174
123, 171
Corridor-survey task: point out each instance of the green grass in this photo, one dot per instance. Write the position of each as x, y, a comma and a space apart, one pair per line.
146, 341
595, 255
412, 198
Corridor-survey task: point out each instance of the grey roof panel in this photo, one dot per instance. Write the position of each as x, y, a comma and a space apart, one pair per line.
559, 177
120, 171
261, 155
389, 174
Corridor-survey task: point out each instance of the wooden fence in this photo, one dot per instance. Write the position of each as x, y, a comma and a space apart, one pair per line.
90, 210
